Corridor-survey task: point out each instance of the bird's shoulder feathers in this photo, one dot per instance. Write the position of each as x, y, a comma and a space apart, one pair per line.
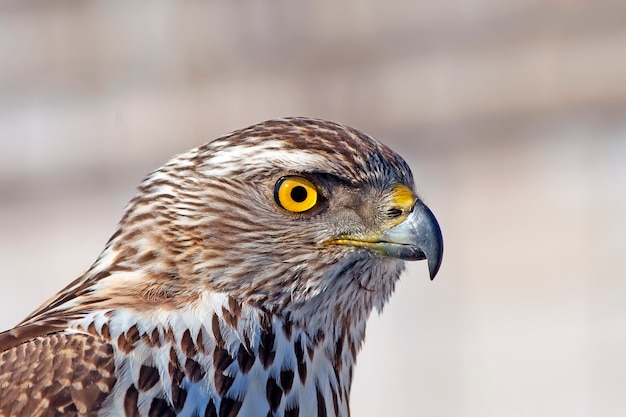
47, 371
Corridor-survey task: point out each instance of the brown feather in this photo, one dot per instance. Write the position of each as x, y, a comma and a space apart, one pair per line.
44, 372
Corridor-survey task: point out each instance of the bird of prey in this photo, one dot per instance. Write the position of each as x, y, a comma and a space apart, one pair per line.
238, 283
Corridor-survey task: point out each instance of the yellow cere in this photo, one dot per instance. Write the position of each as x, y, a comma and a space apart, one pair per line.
296, 194
402, 197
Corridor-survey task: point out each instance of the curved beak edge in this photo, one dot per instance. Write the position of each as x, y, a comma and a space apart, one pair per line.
418, 237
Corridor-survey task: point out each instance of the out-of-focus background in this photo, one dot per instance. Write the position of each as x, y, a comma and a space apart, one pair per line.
511, 113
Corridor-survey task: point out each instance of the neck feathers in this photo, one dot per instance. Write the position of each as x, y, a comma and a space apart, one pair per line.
222, 351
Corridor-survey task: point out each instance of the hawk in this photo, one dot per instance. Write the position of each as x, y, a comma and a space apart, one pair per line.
238, 283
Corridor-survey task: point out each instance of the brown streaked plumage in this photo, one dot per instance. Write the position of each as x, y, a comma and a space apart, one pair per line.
238, 283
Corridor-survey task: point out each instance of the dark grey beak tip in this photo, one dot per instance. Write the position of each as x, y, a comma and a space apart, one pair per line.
433, 265
432, 240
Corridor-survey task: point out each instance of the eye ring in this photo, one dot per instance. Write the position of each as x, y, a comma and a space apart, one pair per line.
295, 194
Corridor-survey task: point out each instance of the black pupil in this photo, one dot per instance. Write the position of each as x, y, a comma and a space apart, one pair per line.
298, 194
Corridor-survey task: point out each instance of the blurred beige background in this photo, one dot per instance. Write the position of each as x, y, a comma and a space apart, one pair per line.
512, 115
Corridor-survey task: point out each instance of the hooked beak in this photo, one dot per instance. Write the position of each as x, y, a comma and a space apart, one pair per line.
418, 237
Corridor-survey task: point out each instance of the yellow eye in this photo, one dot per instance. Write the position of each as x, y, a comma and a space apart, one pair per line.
295, 194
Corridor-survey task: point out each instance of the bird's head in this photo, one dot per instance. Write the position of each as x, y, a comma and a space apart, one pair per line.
287, 212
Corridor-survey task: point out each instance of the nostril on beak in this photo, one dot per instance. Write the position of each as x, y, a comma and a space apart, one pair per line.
394, 212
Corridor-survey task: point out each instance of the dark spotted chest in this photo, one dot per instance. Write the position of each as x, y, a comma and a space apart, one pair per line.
201, 374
